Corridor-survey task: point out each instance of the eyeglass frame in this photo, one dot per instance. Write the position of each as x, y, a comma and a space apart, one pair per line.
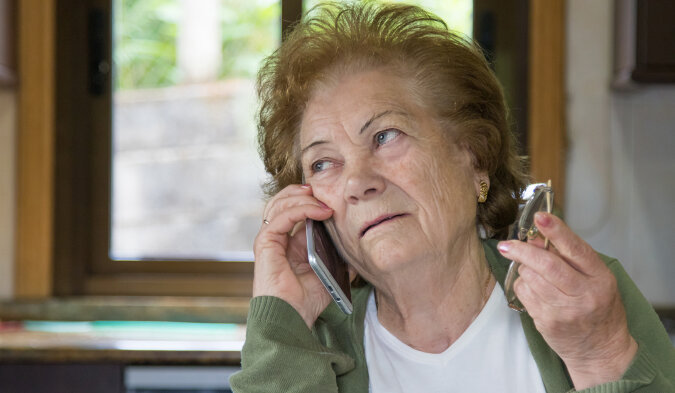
525, 232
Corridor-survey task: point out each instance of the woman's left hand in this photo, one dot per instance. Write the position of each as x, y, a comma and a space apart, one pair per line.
573, 298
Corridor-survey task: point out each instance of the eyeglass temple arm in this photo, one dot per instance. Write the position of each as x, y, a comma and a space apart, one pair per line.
549, 208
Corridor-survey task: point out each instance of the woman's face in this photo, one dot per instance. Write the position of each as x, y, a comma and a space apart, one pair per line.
401, 192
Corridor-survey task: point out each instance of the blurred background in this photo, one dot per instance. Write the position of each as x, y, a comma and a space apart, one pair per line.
130, 181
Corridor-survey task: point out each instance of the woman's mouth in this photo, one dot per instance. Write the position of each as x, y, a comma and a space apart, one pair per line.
378, 221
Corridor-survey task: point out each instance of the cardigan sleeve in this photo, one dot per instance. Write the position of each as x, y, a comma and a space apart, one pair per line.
282, 355
653, 367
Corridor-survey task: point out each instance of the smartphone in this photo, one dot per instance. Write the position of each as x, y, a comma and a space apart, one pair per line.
327, 263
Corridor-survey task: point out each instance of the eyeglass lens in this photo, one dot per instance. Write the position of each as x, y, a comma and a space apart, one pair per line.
541, 201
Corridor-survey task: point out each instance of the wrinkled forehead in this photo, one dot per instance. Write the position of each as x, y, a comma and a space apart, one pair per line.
348, 100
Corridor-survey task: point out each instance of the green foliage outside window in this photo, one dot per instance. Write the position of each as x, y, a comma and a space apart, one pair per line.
145, 33
144, 36
251, 31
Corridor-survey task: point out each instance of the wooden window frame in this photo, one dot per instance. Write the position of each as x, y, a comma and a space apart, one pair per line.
56, 193
82, 188
64, 152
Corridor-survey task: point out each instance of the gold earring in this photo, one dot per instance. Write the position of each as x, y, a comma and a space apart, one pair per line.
482, 196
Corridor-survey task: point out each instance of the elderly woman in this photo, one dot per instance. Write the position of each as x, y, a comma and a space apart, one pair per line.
400, 130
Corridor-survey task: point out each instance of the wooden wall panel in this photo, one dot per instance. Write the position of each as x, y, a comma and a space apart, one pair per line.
35, 118
547, 136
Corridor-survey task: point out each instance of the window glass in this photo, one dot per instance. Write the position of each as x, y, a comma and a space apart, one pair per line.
186, 173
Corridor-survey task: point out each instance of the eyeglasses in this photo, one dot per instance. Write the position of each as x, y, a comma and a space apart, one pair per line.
541, 201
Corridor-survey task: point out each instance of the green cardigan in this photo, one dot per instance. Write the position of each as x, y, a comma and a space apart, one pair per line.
282, 355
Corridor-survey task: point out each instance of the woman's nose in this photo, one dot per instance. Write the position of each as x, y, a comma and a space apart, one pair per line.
362, 183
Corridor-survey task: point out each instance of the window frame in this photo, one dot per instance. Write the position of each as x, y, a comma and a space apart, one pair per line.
83, 164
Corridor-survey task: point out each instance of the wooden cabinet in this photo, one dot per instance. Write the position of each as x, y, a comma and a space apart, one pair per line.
644, 42
62, 378
655, 41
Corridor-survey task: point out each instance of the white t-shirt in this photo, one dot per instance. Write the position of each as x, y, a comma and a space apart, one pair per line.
492, 355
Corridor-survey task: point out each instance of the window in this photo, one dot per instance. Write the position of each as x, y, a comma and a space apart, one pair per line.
186, 173
156, 131
150, 122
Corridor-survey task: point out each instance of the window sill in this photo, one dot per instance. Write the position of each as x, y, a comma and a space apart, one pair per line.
128, 308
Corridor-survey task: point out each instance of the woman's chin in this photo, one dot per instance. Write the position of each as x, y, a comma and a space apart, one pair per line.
388, 255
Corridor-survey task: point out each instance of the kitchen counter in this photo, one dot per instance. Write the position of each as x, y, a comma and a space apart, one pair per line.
121, 342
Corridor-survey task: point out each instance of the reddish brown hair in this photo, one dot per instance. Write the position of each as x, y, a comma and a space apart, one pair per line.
450, 71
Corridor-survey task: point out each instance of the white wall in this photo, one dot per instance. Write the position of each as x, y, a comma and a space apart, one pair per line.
7, 191
621, 159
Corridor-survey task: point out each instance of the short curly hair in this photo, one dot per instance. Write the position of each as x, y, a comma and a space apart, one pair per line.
450, 71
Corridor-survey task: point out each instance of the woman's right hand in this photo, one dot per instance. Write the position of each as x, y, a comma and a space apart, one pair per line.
281, 265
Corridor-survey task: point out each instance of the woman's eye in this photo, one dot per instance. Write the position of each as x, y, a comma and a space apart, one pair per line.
386, 136
320, 166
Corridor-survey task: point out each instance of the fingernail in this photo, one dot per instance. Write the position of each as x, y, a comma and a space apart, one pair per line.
504, 246
324, 206
305, 186
543, 220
